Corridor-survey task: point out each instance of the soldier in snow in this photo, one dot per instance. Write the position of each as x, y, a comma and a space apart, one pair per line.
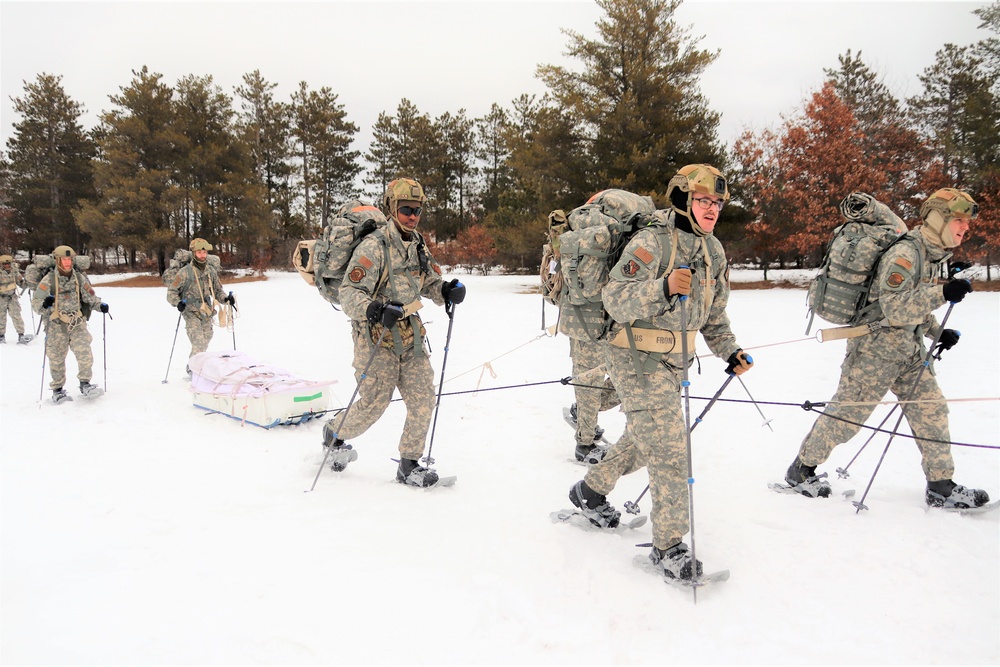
191, 292
65, 298
889, 359
675, 256
10, 280
385, 279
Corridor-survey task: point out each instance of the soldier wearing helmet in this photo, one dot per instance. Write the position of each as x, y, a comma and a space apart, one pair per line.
10, 280
384, 282
192, 290
64, 297
670, 283
891, 358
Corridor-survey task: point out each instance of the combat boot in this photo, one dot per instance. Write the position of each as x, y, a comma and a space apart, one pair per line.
88, 390
411, 473
675, 562
340, 454
3, 338
60, 396
803, 478
594, 506
945, 493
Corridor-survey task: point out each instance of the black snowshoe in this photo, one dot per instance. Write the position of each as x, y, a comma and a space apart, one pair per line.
594, 506
803, 479
947, 494
340, 454
412, 473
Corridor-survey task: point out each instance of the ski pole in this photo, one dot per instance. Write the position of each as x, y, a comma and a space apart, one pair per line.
450, 310
686, 384
343, 417
633, 507
767, 422
30, 310
176, 329
104, 337
45, 354
232, 316
860, 504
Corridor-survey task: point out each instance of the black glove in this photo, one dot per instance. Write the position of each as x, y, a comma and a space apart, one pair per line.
954, 268
386, 314
739, 363
948, 338
49, 300
231, 300
104, 307
182, 305
453, 291
956, 289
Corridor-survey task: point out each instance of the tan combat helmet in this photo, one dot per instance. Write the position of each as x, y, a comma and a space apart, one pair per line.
6, 259
63, 251
402, 189
938, 210
695, 178
199, 244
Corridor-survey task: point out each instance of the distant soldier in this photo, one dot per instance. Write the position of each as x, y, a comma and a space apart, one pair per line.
907, 292
191, 292
10, 280
65, 298
388, 274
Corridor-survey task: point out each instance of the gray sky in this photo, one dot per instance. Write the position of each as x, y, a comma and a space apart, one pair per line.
444, 56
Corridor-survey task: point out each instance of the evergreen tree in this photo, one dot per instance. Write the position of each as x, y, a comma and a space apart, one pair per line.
49, 167
635, 103
493, 151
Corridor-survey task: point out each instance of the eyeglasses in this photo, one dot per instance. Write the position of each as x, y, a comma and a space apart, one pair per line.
706, 203
410, 210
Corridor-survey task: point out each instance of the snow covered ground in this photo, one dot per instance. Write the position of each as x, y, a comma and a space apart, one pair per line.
137, 529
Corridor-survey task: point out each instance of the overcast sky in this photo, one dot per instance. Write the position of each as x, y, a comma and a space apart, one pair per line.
445, 56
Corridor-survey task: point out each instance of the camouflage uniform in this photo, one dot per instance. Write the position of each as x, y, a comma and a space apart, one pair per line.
10, 280
196, 285
655, 435
401, 360
890, 360
66, 325
588, 355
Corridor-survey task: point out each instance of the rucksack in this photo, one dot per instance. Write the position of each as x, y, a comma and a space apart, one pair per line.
42, 264
599, 231
181, 259
323, 261
549, 272
839, 293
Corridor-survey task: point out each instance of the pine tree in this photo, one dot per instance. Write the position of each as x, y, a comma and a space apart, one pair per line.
49, 167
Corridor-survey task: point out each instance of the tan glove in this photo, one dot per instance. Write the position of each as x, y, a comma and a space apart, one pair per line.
678, 282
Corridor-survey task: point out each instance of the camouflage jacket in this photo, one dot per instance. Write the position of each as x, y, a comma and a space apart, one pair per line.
635, 289
72, 293
10, 280
367, 277
196, 287
907, 298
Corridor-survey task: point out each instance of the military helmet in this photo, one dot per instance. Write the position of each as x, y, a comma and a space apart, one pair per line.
701, 178
6, 259
402, 189
950, 202
63, 251
199, 244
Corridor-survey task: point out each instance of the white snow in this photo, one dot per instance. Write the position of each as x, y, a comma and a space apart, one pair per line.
137, 529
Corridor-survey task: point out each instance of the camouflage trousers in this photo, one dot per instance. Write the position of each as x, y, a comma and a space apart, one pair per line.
655, 438
588, 355
10, 304
414, 378
59, 339
887, 361
199, 331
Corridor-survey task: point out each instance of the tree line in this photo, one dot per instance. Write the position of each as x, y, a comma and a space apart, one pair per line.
254, 174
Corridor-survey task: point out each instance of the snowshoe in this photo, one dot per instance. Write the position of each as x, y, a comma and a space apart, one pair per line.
412, 473
60, 396
598, 431
594, 506
88, 390
3, 338
340, 455
803, 479
24, 339
590, 454
948, 495
675, 562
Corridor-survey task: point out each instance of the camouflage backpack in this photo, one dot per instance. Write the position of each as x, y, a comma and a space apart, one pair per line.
549, 272
839, 293
322, 262
181, 259
598, 233
42, 264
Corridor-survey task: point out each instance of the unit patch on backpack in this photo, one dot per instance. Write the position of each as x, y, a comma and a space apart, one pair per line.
839, 293
323, 262
598, 232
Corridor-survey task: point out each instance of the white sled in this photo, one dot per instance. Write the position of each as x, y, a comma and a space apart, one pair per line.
233, 384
